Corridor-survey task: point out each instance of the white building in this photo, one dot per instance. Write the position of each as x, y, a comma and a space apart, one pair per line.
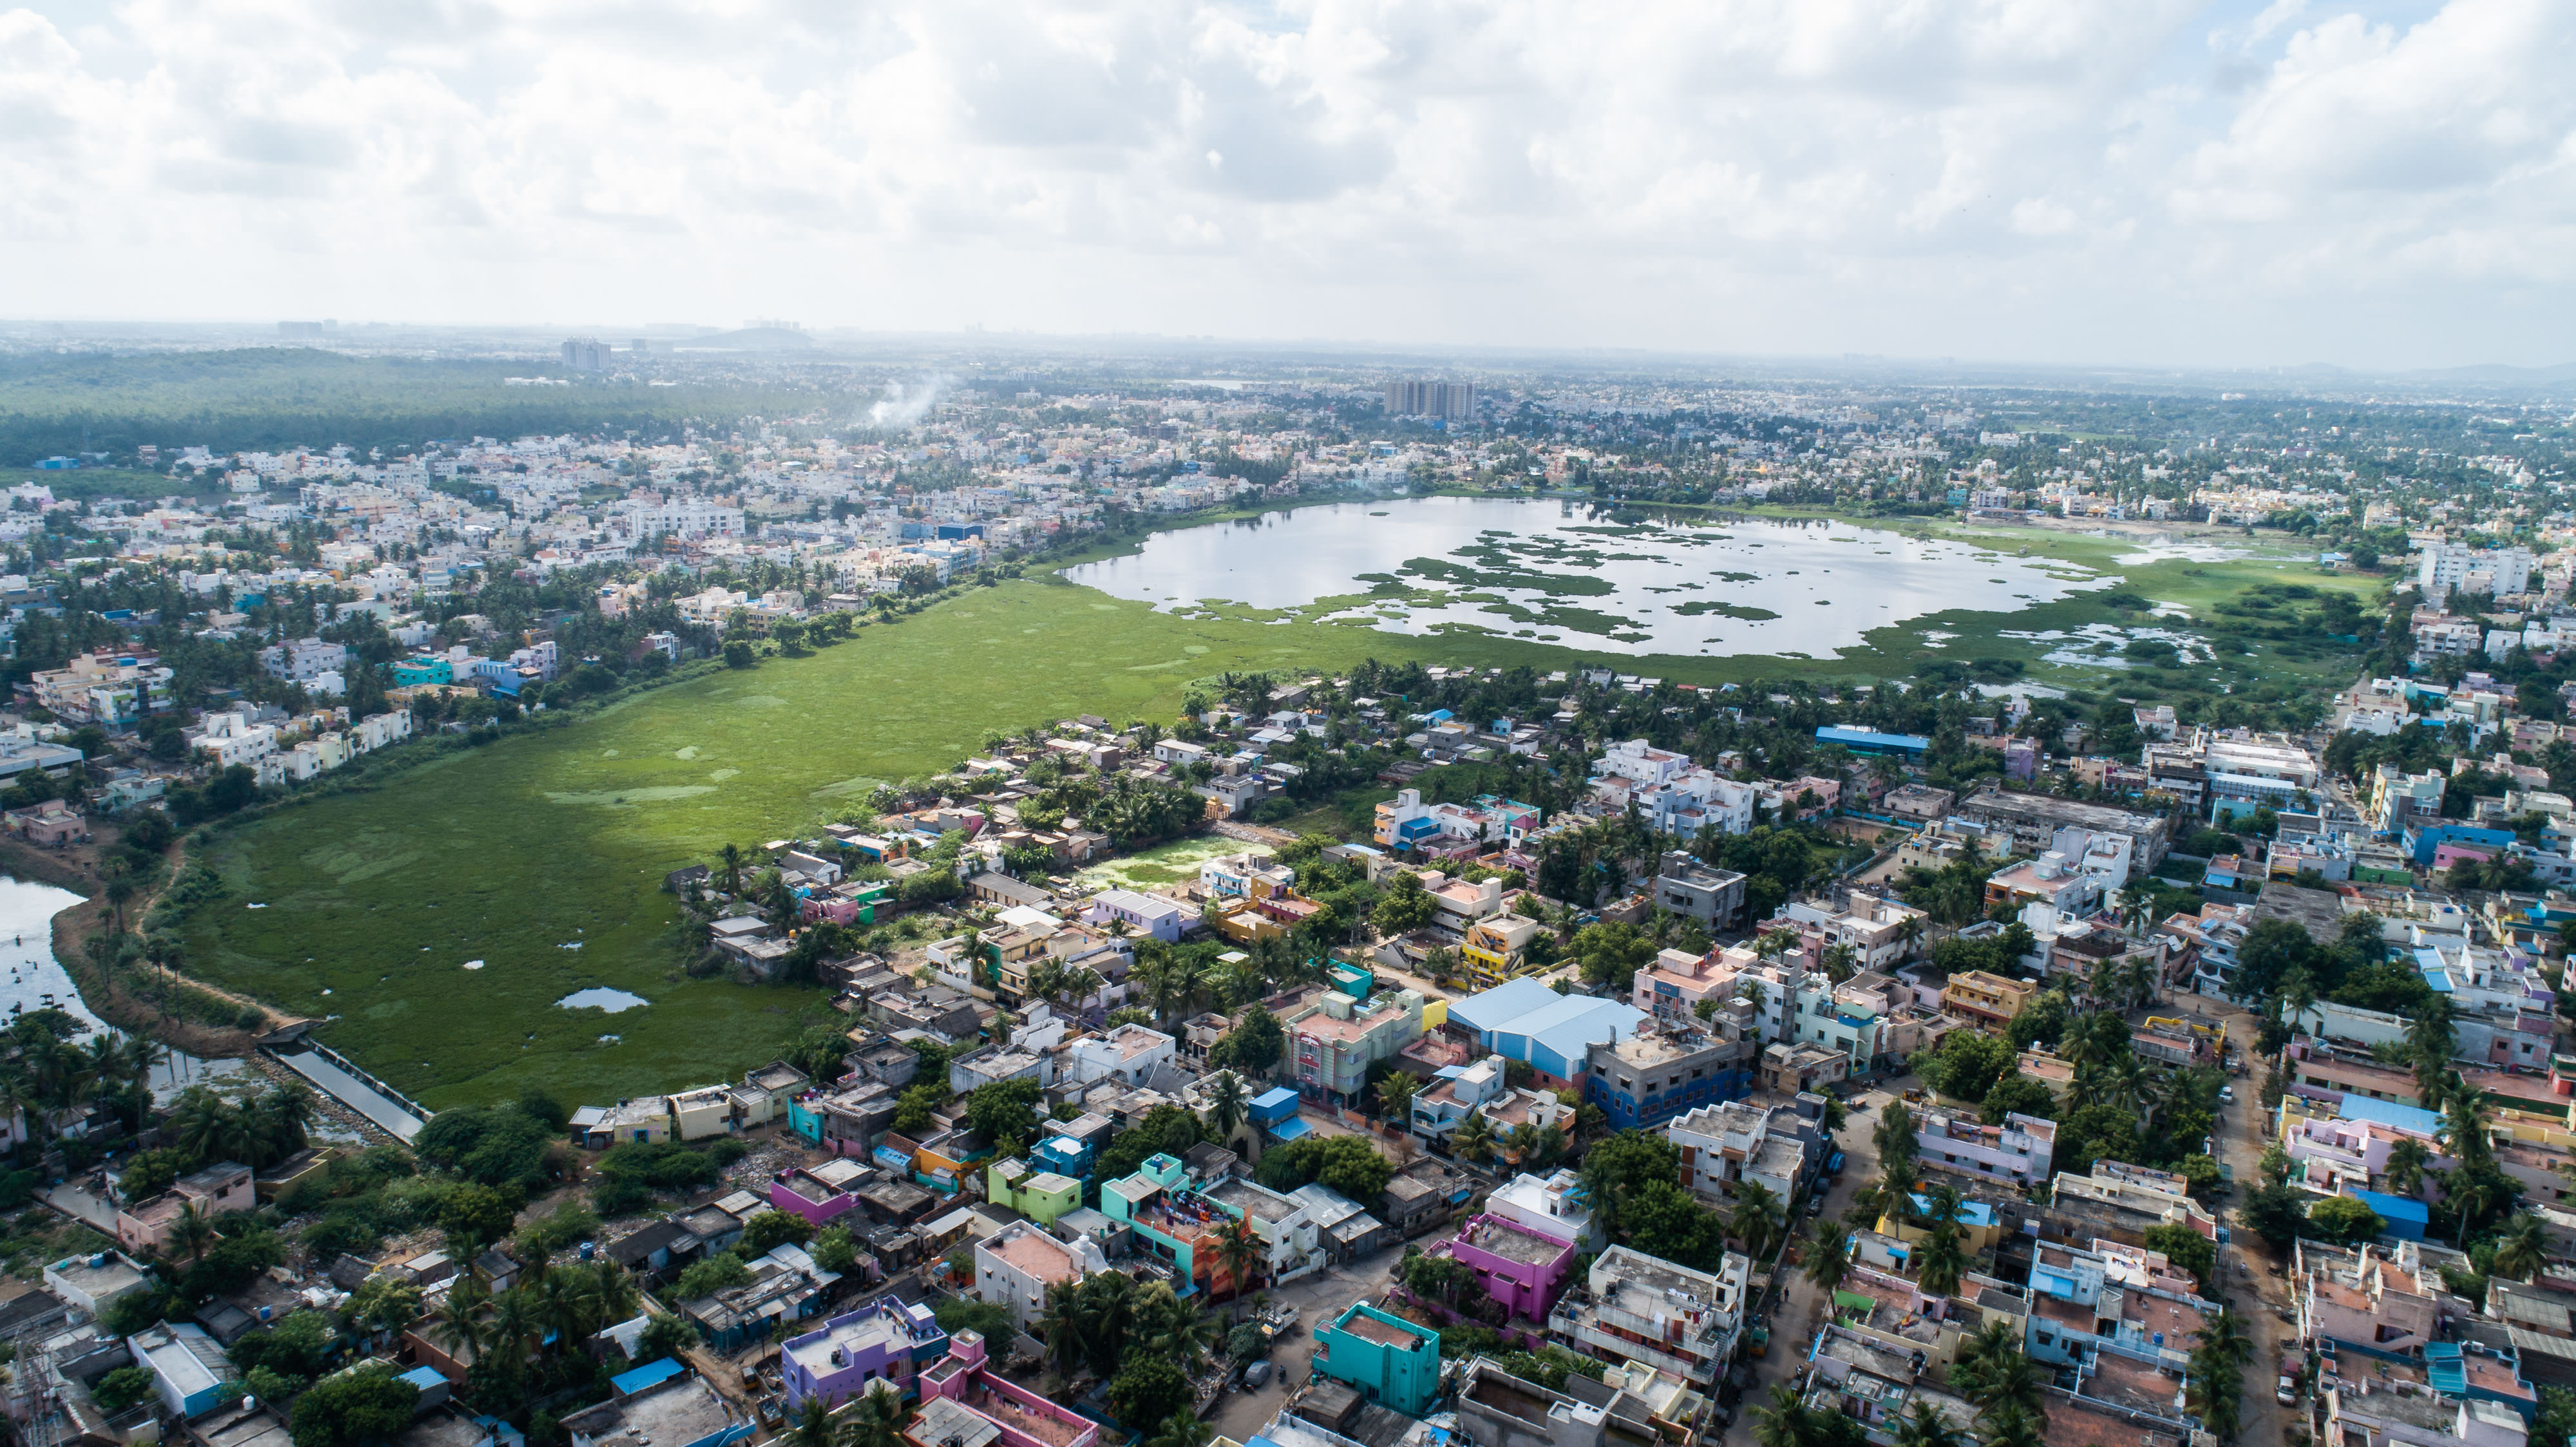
1126, 1055
1014, 1268
2448, 566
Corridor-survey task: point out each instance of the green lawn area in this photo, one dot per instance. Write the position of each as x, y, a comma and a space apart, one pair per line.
372, 902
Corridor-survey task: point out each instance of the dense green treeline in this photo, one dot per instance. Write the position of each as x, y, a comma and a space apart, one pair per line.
264, 398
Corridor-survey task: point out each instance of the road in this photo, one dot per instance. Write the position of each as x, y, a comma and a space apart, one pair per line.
2246, 1261
1240, 1414
1800, 1309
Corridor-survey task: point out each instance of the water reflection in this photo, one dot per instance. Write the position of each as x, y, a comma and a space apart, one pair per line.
32, 979
1546, 571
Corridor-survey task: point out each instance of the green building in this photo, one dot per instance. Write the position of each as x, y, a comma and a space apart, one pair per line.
1384, 1358
1039, 1195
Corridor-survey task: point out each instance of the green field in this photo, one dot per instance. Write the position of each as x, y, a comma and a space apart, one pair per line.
371, 902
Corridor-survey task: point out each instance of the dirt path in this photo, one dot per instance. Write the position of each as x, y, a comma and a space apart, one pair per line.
76, 925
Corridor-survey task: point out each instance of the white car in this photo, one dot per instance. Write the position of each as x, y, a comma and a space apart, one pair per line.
2287, 1394
2227, 1093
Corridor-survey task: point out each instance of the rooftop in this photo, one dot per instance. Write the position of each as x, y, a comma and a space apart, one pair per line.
1503, 1238
685, 1409
1036, 1254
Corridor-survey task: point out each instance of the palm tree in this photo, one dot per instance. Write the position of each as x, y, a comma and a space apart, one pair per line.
1225, 1103
729, 867
2478, 1194
1183, 1429
1395, 1095
1059, 1325
192, 1233
1238, 1250
1940, 1262
1784, 1422
1829, 1257
1995, 1375
877, 1418
1910, 932
1924, 1427
615, 1291
1108, 1310
1756, 1216
516, 1324
2406, 1164
1179, 1330
1473, 1140
2463, 1131
2520, 1248
459, 1326
814, 1426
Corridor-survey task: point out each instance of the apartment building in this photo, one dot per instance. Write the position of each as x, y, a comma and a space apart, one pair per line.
2016, 1152
1648, 1311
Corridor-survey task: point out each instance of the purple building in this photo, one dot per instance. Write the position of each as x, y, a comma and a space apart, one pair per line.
821, 1194
889, 1341
1520, 1267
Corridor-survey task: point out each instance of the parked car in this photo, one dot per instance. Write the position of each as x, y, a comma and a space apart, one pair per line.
2227, 1093
2287, 1393
1257, 1374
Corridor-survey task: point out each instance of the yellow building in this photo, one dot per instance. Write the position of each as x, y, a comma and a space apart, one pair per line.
1985, 1000
1497, 948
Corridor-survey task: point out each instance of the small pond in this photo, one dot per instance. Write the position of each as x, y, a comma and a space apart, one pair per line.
600, 997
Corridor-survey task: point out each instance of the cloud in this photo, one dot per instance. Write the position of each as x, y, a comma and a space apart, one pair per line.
1791, 175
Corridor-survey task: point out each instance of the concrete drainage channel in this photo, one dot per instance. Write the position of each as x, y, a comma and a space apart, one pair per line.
386, 1108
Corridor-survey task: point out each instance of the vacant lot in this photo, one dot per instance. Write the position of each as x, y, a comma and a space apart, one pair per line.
542, 856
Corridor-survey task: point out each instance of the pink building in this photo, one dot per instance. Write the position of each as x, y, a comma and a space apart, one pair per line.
219, 1188
1522, 1268
820, 1194
962, 1402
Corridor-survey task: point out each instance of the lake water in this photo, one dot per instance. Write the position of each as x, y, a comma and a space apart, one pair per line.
31, 979
600, 997
1557, 574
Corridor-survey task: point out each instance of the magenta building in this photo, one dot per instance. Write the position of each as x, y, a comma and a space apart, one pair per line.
1522, 1268
820, 1194
961, 1401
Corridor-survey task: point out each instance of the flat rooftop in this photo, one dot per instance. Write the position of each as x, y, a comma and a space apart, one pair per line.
947, 1422
1036, 1254
1022, 1417
2134, 1385
684, 1409
1517, 1245
1368, 1328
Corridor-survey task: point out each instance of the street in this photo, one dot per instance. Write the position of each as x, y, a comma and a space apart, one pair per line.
1240, 1414
1800, 1307
2254, 1290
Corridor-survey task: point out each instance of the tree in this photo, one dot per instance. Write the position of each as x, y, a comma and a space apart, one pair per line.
1829, 1257
1060, 1326
2407, 1164
1966, 1065
1183, 1429
1405, 906
1395, 1092
1922, 1426
1148, 1389
1238, 1250
1473, 1140
1997, 1376
2343, 1219
1254, 1046
1940, 1260
2188, 1249
768, 1229
1894, 1135
2017, 1095
192, 1233
878, 1417
1004, 1110
353, 1408
2522, 1247
1614, 1170
475, 1216
1755, 1218
1225, 1104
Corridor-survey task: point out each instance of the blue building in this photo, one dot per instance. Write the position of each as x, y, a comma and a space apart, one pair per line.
1645, 1080
1553, 1034
1869, 741
1386, 1359
2399, 1218
2421, 842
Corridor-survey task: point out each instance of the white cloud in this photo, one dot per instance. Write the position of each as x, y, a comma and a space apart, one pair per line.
2006, 177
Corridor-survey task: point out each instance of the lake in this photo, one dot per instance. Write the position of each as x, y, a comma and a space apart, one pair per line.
31, 979
1558, 573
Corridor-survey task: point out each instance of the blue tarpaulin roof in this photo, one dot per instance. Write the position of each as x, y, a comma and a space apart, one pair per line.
424, 1378
1289, 1129
651, 1374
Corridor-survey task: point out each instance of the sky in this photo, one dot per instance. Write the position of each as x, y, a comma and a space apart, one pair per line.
2371, 184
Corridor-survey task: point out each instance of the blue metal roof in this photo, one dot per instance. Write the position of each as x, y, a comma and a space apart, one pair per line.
1871, 739
1486, 1012
424, 1378
2391, 1208
2414, 1119
1290, 1129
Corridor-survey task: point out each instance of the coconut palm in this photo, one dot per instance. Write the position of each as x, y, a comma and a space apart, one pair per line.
517, 1323
1183, 1429
1395, 1092
1239, 1250
1829, 1257
1060, 1324
1225, 1103
1924, 1427
1756, 1217
877, 1417
1941, 1261
2521, 1247
814, 1426
1108, 1310
729, 867
1473, 1140
1995, 1374
192, 1233
459, 1326
2407, 1160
